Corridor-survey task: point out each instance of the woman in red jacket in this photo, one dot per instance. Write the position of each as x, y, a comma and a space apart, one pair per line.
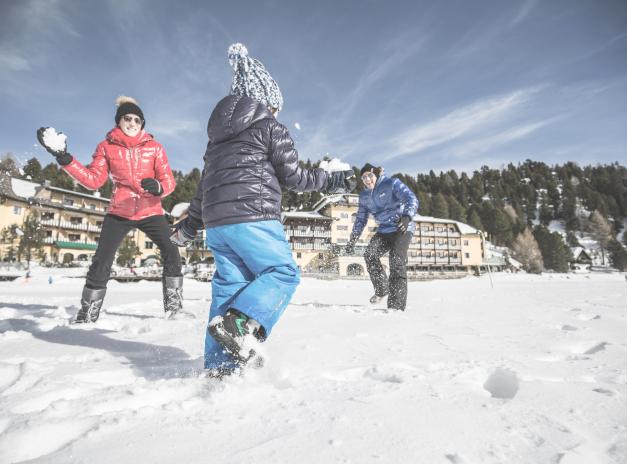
141, 176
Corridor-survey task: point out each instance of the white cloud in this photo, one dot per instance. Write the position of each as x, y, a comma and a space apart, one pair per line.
483, 144
460, 122
13, 61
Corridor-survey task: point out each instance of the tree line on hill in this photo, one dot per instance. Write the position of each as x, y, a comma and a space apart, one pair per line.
512, 205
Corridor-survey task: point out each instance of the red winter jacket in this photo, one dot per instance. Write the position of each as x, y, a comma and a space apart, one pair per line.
128, 160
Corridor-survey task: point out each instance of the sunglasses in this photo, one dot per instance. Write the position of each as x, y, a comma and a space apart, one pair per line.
135, 119
368, 175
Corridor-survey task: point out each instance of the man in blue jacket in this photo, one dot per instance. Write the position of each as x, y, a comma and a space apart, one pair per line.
393, 206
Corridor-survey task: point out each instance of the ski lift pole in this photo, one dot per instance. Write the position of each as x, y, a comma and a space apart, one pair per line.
483, 241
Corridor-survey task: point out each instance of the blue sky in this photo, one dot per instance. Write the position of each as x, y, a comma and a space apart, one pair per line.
413, 86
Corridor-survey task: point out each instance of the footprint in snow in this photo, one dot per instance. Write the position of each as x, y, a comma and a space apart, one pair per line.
588, 348
569, 328
502, 383
603, 391
383, 376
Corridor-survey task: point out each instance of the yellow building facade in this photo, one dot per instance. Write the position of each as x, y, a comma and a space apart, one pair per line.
72, 221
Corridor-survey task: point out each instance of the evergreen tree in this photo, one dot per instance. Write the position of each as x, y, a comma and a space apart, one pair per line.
474, 220
33, 170
545, 214
617, 255
555, 253
127, 252
32, 237
440, 207
572, 239
456, 210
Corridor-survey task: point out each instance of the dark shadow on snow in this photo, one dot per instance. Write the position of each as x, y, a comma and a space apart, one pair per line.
150, 361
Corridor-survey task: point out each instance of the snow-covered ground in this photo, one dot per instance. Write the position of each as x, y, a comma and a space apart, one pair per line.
531, 371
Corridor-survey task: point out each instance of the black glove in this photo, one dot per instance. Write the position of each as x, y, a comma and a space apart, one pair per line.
350, 246
185, 231
403, 224
62, 156
340, 182
151, 185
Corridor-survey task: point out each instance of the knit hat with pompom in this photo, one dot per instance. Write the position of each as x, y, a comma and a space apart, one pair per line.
128, 105
251, 79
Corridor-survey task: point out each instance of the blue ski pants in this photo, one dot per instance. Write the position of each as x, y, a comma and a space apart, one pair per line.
255, 274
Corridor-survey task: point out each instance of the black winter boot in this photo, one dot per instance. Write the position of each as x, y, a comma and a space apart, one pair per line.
91, 302
231, 332
172, 295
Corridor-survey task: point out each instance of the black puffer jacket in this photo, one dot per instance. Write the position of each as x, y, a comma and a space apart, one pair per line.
249, 157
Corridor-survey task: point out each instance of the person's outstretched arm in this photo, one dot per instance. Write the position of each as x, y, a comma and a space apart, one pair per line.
284, 159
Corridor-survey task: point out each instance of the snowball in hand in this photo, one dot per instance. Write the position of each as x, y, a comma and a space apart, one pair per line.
334, 165
55, 140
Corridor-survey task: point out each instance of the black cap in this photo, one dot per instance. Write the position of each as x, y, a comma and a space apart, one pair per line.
129, 108
369, 167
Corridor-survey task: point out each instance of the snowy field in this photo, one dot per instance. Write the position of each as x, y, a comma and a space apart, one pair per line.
531, 371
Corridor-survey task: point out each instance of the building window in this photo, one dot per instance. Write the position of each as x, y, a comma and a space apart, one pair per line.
74, 237
344, 215
47, 216
320, 255
92, 206
99, 223
453, 242
76, 220
68, 202
299, 255
48, 233
466, 255
465, 242
148, 244
17, 210
342, 227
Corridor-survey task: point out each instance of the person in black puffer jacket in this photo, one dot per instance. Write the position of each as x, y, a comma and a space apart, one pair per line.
250, 155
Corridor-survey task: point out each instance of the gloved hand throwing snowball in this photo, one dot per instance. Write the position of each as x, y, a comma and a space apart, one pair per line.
55, 143
185, 231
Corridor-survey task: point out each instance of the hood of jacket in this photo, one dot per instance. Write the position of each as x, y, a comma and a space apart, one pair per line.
234, 114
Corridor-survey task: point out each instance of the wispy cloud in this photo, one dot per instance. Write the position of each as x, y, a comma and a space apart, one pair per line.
524, 11
13, 61
460, 122
503, 137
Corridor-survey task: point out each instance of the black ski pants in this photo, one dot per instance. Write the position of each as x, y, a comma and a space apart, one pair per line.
114, 229
397, 244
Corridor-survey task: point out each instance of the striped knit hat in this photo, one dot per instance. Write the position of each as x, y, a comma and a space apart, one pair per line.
251, 79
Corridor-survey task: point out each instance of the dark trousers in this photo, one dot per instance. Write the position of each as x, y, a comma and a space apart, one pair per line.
396, 244
114, 229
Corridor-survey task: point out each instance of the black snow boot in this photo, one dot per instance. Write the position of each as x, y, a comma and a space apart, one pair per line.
232, 330
91, 302
172, 295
